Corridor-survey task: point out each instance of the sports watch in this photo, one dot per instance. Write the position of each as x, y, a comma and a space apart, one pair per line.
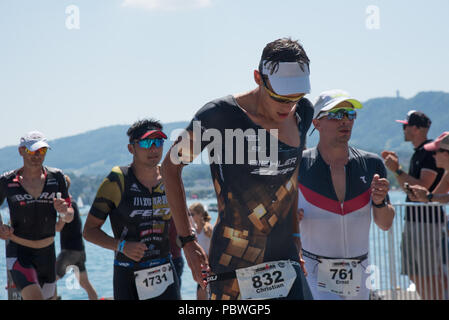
399, 172
182, 241
380, 205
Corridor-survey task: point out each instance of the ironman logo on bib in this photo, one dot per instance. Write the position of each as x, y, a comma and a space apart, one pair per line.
266, 280
151, 283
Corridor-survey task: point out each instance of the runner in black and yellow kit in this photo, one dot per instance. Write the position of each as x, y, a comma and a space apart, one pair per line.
134, 199
35, 195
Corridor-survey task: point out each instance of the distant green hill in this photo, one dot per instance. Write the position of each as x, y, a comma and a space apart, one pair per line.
88, 158
377, 130
94, 153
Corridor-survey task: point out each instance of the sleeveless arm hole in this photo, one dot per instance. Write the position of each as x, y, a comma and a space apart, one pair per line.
304, 113
119, 180
208, 117
109, 194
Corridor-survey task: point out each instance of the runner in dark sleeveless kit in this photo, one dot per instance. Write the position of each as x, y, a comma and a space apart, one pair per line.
134, 199
35, 195
72, 249
255, 141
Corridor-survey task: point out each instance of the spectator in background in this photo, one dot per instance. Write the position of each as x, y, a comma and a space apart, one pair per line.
440, 194
204, 235
72, 249
417, 262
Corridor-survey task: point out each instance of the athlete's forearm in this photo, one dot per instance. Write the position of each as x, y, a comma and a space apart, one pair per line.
72, 214
68, 217
441, 198
35, 244
97, 236
174, 190
60, 225
383, 217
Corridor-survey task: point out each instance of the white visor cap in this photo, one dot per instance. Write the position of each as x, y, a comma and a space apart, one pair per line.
289, 78
327, 100
33, 141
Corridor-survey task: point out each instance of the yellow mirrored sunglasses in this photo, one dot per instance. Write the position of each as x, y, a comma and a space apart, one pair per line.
41, 151
279, 98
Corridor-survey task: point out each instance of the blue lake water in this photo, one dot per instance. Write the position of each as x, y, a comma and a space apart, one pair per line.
100, 269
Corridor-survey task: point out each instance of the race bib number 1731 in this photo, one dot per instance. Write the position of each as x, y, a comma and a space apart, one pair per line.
151, 283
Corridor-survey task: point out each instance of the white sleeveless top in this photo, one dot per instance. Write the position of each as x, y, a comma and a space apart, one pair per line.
204, 241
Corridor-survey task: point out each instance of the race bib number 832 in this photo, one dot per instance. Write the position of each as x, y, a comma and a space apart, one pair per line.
266, 281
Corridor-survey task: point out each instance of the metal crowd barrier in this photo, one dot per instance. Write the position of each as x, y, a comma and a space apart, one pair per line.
426, 244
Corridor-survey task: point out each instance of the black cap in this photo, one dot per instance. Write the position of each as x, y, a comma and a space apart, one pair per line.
416, 118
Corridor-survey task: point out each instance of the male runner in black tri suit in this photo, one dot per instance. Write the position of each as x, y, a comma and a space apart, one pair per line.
35, 195
254, 251
134, 198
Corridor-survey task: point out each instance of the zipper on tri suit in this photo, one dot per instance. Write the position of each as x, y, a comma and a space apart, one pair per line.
343, 222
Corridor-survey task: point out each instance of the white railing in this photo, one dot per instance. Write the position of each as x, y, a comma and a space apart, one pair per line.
425, 272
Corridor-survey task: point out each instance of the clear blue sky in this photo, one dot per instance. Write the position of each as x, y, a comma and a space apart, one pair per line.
139, 58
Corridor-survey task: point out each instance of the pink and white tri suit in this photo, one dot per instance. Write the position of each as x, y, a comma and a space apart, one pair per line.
332, 229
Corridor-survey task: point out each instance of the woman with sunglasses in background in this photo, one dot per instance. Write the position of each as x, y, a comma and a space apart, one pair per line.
203, 230
134, 198
338, 187
35, 194
440, 194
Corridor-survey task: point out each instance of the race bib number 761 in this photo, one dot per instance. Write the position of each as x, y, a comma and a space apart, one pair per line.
342, 277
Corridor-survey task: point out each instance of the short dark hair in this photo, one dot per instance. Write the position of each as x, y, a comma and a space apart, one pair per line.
140, 127
419, 119
283, 50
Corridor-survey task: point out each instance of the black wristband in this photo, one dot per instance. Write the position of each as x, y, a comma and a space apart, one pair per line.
399, 172
383, 204
182, 241
430, 196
